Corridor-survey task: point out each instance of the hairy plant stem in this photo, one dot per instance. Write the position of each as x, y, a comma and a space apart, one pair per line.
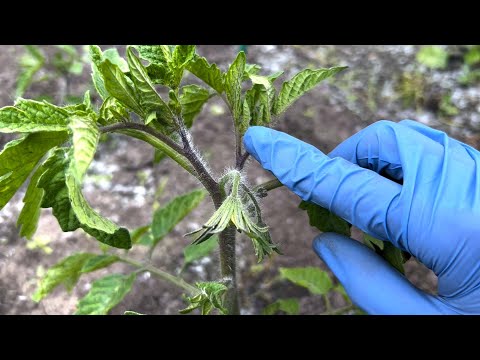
204, 175
238, 136
242, 160
228, 269
238, 149
160, 274
226, 237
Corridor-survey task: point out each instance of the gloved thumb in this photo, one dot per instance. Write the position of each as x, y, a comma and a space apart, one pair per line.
372, 284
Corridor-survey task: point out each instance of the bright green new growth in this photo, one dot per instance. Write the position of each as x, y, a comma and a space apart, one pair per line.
208, 297
58, 144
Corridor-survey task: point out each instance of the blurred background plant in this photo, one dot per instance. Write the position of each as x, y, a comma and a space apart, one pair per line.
56, 61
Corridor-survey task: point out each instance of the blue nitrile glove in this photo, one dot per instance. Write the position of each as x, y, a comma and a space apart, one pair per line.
431, 209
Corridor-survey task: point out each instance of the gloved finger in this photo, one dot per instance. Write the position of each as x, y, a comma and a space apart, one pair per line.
360, 196
391, 149
371, 282
374, 148
457, 149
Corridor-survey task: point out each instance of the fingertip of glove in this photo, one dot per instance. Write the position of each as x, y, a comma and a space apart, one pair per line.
324, 243
255, 139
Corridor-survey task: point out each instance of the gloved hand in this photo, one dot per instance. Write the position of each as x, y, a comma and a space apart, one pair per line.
401, 182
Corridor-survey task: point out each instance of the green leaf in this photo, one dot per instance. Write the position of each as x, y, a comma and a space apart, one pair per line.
150, 101
87, 101
243, 125
137, 234
112, 111
167, 217
192, 100
251, 69
181, 57
167, 62
115, 58
30, 64
158, 74
174, 103
96, 58
260, 100
156, 54
208, 73
289, 306
98, 262
63, 195
146, 238
372, 242
433, 57
261, 80
394, 256
32, 116
18, 159
120, 87
273, 77
210, 296
196, 252
385, 249
302, 82
233, 84
28, 219
93, 223
312, 278
324, 220
56, 196
66, 272
105, 294
85, 137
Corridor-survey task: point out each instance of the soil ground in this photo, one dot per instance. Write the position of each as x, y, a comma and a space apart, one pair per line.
122, 181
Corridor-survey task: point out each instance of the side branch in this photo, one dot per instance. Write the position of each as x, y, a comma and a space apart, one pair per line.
204, 175
268, 186
135, 126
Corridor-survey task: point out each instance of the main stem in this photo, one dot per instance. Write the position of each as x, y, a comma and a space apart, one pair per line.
227, 237
228, 269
